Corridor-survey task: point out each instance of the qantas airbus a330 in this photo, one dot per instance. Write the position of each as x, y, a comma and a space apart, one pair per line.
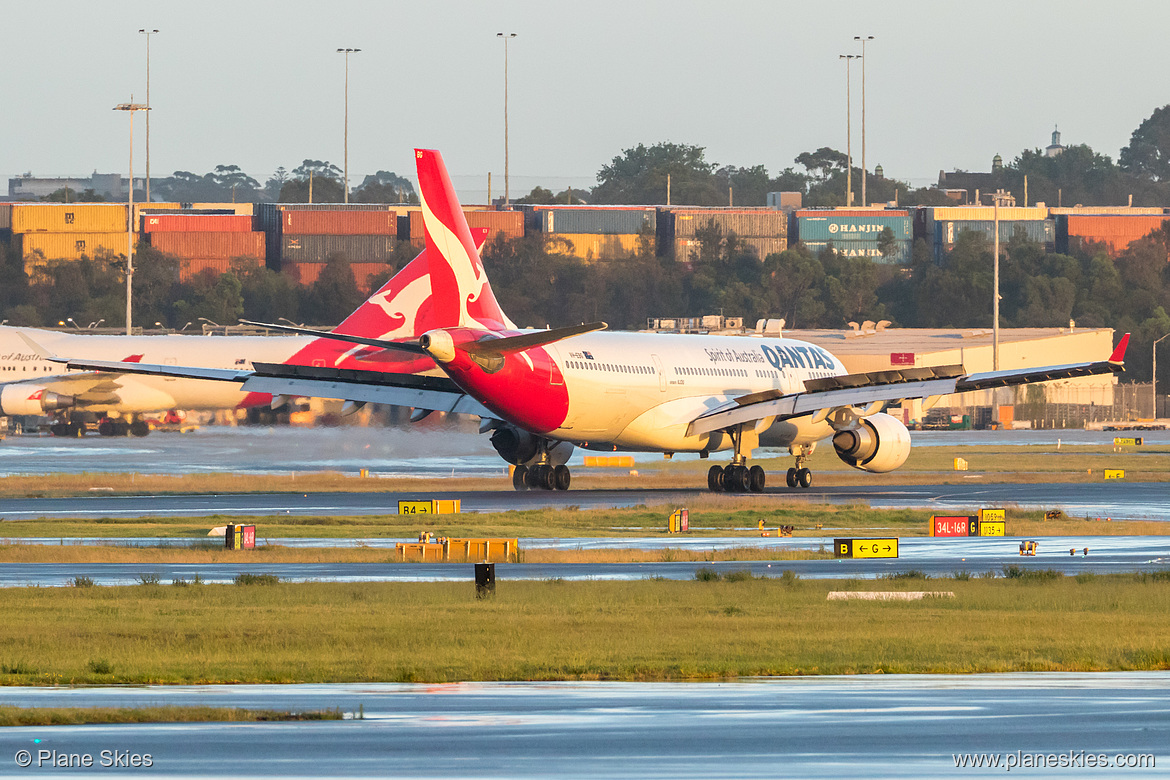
542, 393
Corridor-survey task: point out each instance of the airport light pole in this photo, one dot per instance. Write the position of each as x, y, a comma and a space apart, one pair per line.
848, 128
147, 33
864, 201
995, 290
1154, 376
345, 162
507, 201
131, 107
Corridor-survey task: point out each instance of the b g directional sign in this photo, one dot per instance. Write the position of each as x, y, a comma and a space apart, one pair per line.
865, 548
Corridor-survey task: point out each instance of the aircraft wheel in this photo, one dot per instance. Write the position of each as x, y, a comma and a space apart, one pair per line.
756, 479
532, 477
561, 477
139, 428
743, 479
519, 475
804, 478
76, 430
59, 429
792, 478
548, 478
715, 479
107, 428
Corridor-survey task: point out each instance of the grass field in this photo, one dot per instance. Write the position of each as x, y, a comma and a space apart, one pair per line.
551, 630
1002, 463
75, 716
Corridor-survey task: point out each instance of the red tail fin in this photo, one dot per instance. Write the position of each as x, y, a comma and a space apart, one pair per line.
404, 307
1118, 355
462, 295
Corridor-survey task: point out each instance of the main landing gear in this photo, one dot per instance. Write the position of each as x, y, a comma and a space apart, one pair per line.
736, 478
542, 476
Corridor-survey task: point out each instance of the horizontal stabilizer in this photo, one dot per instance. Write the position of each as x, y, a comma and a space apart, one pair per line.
400, 346
510, 344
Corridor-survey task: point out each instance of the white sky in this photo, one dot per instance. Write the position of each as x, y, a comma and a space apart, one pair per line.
259, 84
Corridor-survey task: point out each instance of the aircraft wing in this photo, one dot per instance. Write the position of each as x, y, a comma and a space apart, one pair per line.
877, 388
419, 391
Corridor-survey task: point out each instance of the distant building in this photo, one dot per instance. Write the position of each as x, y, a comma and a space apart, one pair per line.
966, 187
110, 185
1054, 148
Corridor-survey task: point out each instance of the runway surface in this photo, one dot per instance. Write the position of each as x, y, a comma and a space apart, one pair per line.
423, 450
1117, 500
833, 727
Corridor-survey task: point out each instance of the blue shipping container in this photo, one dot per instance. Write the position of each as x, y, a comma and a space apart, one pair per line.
831, 228
899, 256
1042, 231
597, 220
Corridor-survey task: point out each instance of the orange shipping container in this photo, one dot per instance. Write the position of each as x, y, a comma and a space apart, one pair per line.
208, 245
510, 223
196, 223
190, 267
340, 223
1115, 231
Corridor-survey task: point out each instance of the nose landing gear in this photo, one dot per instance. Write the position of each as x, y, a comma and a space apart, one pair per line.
799, 475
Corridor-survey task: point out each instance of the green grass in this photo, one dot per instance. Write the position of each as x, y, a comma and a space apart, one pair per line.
74, 716
646, 630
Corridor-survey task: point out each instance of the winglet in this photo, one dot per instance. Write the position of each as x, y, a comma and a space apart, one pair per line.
1118, 355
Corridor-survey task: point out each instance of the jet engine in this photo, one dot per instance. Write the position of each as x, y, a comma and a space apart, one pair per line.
521, 448
878, 444
22, 399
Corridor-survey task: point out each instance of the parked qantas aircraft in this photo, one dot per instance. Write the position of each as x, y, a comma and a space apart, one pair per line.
541, 393
30, 384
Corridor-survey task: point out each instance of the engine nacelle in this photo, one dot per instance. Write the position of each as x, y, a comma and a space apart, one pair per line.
878, 444
514, 445
26, 399
521, 448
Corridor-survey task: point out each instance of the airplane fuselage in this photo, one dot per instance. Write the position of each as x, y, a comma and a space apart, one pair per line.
641, 391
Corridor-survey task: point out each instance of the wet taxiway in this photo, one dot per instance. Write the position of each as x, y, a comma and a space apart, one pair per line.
1116, 500
862, 727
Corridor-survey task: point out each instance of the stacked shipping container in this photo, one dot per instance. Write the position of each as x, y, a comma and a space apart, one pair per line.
49, 232
764, 231
510, 223
855, 232
944, 224
309, 237
596, 232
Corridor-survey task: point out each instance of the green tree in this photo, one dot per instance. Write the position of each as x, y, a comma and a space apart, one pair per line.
887, 244
539, 195
792, 280
1148, 153
335, 294
384, 187
639, 176
69, 195
326, 183
269, 295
